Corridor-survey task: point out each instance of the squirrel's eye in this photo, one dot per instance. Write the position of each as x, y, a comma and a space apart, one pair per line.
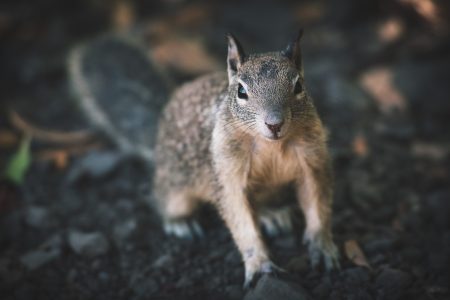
242, 93
298, 87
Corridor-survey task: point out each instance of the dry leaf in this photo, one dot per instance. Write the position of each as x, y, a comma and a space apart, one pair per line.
192, 16
428, 10
310, 12
359, 145
355, 254
379, 84
185, 55
391, 30
189, 18
123, 15
61, 160
8, 138
61, 157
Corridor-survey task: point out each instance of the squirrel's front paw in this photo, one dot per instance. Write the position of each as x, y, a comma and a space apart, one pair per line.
321, 246
253, 272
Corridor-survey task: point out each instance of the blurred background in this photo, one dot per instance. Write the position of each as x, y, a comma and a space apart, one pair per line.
74, 222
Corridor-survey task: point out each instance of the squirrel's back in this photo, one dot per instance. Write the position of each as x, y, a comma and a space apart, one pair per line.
184, 133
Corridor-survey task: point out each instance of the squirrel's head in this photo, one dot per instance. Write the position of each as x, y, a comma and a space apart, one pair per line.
266, 91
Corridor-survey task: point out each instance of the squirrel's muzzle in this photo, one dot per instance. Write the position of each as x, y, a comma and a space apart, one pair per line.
274, 122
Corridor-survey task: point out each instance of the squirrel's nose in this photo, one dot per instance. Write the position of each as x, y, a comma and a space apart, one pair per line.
274, 122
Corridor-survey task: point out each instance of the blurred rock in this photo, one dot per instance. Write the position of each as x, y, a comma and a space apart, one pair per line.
47, 252
88, 244
323, 289
184, 282
144, 287
234, 292
95, 165
36, 216
391, 283
232, 258
395, 126
378, 245
437, 207
162, 260
299, 264
123, 230
271, 288
356, 275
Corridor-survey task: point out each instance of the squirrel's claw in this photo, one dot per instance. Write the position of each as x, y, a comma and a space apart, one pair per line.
252, 276
319, 248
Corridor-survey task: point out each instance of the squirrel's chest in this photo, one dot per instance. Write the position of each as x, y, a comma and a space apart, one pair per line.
272, 165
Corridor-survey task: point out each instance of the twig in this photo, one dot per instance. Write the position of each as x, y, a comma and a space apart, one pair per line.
58, 137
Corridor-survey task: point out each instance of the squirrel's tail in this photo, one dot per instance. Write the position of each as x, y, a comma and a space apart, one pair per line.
120, 91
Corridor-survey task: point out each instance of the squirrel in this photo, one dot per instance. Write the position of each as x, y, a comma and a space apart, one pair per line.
237, 140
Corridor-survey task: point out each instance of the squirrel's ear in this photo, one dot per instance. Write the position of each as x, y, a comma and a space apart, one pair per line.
293, 51
236, 55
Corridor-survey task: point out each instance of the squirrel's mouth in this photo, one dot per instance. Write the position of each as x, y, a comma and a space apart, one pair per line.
273, 137
273, 132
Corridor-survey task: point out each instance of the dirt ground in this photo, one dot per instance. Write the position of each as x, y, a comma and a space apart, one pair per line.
379, 74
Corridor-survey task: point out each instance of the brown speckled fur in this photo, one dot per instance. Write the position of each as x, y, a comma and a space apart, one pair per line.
214, 147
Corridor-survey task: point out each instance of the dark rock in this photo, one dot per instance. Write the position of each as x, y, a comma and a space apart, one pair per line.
88, 244
412, 254
379, 245
299, 264
285, 242
36, 216
438, 208
335, 295
47, 252
391, 283
233, 258
218, 253
438, 261
95, 165
356, 276
216, 282
395, 127
359, 294
378, 259
162, 261
129, 112
322, 290
103, 276
144, 287
271, 288
184, 282
9, 272
234, 292
123, 230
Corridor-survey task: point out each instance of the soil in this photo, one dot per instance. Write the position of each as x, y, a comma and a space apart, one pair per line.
379, 76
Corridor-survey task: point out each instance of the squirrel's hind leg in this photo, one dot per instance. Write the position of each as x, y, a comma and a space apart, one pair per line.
276, 221
179, 215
